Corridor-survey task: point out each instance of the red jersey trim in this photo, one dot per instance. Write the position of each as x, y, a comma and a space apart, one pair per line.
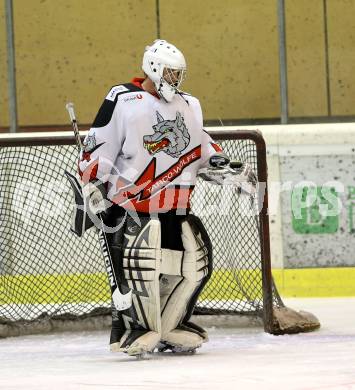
216, 147
171, 198
138, 81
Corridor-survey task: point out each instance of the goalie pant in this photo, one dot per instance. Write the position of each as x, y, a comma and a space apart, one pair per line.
165, 262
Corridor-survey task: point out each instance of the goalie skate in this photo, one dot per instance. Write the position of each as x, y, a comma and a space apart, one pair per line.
163, 347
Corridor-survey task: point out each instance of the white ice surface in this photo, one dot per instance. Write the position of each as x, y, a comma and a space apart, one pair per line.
240, 359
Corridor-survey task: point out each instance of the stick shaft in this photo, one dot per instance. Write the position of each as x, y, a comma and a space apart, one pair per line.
70, 108
120, 301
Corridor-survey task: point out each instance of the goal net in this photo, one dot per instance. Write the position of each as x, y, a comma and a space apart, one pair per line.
48, 273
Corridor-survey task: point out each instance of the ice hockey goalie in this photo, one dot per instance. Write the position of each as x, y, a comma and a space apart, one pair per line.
139, 165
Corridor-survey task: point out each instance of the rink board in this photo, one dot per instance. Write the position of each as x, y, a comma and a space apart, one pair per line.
74, 288
315, 282
46, 288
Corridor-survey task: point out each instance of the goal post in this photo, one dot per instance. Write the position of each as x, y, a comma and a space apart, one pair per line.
255, 155
48, 274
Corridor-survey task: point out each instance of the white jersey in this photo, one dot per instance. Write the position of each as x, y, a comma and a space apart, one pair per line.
146, 150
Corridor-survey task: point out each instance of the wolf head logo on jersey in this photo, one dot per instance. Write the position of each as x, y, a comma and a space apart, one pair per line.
89, 146
89, 143
170, 136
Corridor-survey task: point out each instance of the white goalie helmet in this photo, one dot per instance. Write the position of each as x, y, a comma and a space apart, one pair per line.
165, 65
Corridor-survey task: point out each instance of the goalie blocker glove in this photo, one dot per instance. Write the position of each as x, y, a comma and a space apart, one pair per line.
95, 194
90, 200
224, 172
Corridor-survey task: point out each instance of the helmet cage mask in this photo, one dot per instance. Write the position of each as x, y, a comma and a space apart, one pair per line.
169, 83
174, 77
165, 65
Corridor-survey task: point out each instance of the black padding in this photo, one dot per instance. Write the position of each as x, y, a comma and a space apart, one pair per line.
114, 243
171, 230
115, 218
118, 327
105, 113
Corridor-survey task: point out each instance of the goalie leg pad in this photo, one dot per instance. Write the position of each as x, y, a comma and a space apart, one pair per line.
194, 328
186, 324
141, 256
199, 228
181, 338
195, 270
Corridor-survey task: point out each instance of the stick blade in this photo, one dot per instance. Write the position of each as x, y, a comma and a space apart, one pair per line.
122, 301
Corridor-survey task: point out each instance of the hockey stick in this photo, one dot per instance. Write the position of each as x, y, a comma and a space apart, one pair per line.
121, 301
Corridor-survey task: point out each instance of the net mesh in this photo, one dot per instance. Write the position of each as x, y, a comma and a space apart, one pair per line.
46, 271
232, 221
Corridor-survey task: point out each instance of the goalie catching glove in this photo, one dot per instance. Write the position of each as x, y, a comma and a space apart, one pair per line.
224, 172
